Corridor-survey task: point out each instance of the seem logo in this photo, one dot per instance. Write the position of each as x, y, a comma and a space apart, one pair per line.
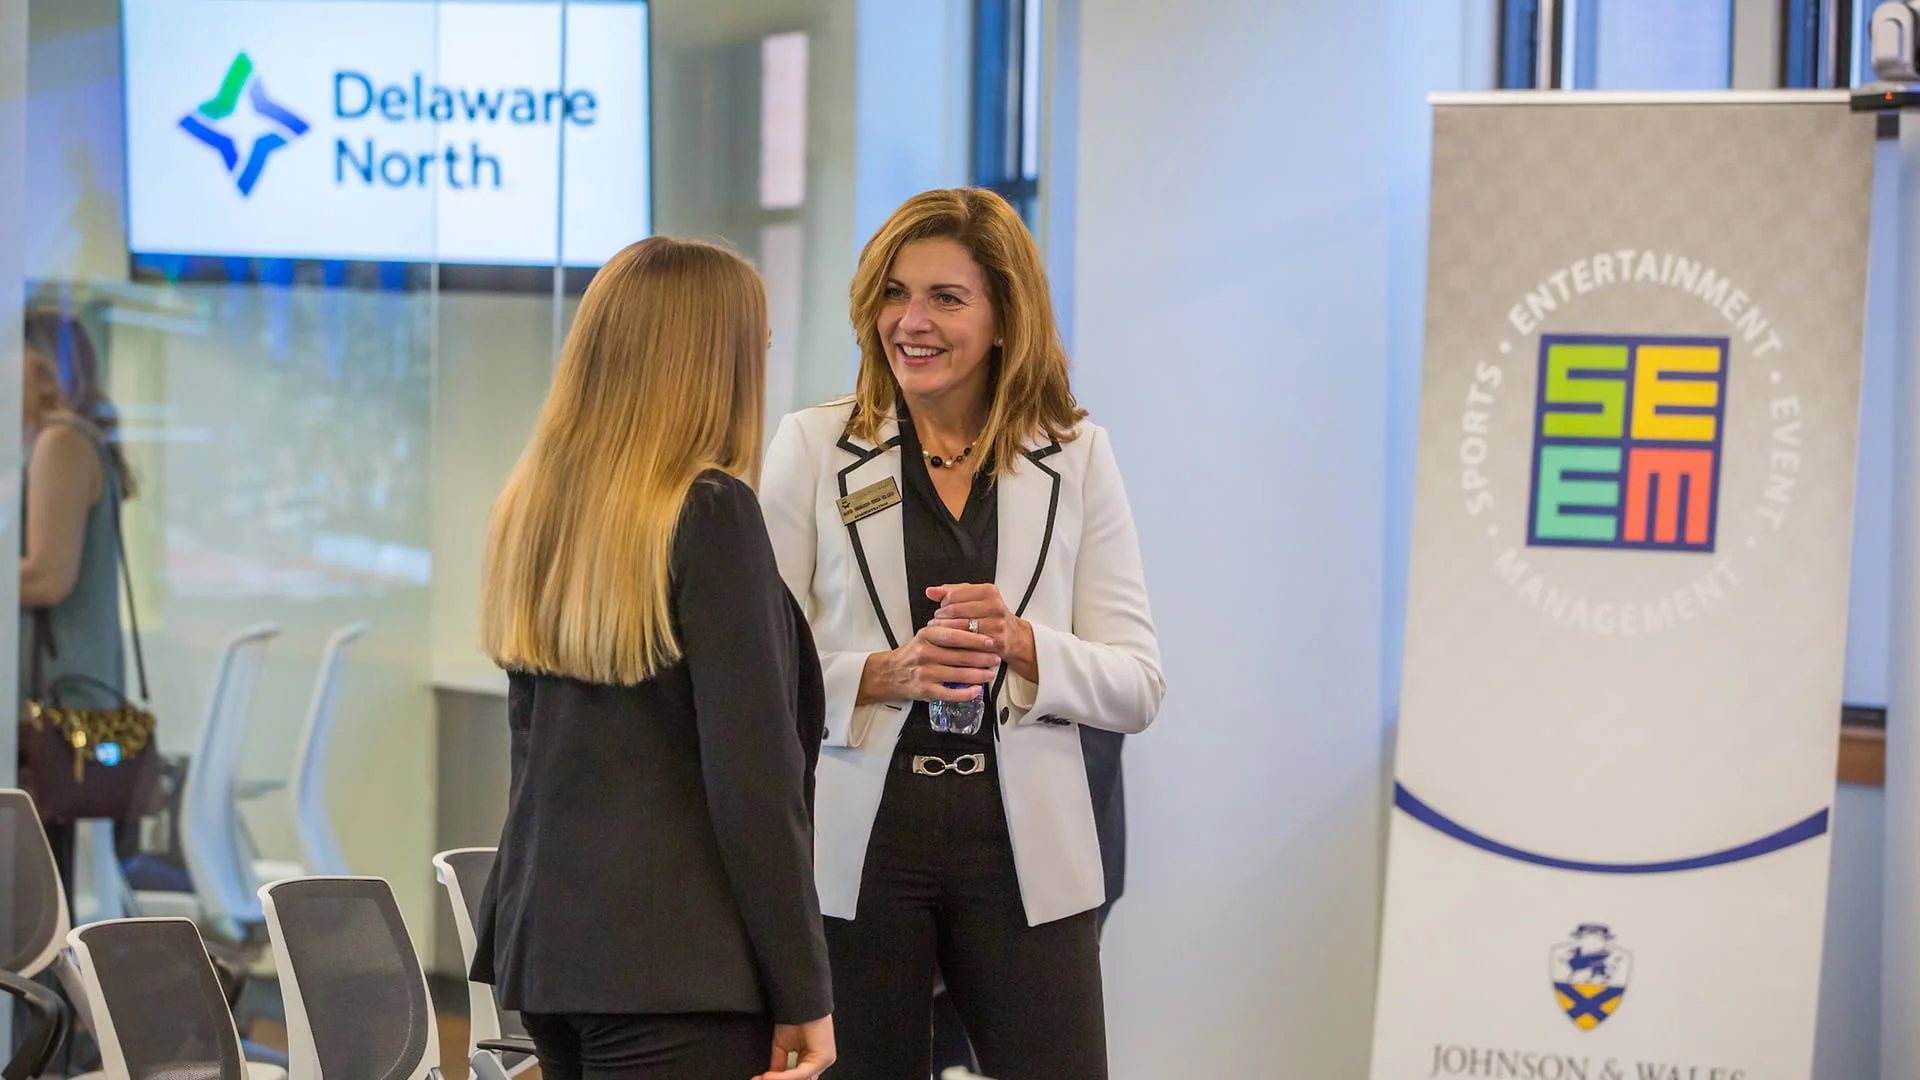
1627, 442
282, 126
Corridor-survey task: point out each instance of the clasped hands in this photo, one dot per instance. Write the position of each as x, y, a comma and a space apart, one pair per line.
971, 634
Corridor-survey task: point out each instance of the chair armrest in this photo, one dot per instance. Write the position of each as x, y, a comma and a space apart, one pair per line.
47, 1024
513, 1045
255, 1054
248, 790
488, 1065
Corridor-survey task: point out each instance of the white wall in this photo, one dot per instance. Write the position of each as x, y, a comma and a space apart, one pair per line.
1847, 1040
915, 78
1242, 224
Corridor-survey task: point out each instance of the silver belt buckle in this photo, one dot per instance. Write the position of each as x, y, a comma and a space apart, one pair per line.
964, 765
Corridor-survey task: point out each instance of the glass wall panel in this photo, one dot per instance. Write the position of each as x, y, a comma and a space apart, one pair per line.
755, 146
324, 250
249, 246
13, 227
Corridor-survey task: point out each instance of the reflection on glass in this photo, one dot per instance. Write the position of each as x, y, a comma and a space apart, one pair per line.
781, 266
296, 466
783, 121
256, 209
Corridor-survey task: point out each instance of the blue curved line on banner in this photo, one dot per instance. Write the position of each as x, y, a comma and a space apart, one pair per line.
1814, 825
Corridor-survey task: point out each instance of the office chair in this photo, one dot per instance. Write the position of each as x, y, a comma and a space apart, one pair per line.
356, 996
219, 857
32, 931
157, 1009
499, 1047
318, 847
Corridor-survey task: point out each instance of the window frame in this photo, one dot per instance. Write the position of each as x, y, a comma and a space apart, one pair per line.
1007, 38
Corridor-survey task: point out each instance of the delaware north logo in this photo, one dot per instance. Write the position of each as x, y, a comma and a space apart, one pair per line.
1590, 975
281, 125
1627, 442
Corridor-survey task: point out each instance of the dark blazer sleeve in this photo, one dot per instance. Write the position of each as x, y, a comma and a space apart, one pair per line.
737, 638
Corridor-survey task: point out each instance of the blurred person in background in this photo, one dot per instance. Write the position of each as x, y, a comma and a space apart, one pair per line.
74, 479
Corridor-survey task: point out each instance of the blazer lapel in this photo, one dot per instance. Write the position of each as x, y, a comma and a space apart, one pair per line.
1029, 499
879, 544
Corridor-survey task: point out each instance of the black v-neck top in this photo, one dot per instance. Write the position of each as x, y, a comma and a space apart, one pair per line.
941, 550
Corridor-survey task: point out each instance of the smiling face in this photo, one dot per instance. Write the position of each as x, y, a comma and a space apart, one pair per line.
937, 323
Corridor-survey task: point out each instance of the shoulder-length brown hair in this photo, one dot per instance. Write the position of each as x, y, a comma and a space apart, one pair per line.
1031, 396
662, 378
61, 351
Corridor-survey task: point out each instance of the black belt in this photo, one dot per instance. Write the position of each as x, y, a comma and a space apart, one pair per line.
933, 765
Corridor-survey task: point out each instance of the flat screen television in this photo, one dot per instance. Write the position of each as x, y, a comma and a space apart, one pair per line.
465, 133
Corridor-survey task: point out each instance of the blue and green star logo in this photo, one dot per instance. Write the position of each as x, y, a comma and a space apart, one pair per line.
282, 126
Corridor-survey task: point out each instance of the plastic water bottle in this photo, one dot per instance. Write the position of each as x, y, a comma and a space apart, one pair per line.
959, 717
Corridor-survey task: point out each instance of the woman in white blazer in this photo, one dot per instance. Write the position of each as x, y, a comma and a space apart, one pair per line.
955, 531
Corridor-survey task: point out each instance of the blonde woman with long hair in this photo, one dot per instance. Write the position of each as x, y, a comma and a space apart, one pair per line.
651, 911
961, 539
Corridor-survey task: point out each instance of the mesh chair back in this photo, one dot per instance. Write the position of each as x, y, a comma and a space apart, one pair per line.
464, 873
33, 925
317, 844
158, 1009
356, 997
217, 855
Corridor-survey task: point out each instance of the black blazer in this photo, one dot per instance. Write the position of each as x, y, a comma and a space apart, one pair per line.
657, 855
1107, 785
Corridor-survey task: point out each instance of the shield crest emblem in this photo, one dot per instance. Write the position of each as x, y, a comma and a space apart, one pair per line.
1590, 973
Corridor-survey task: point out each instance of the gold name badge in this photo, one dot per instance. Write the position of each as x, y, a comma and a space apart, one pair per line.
868, 501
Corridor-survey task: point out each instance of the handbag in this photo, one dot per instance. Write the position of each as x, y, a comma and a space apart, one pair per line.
81, 762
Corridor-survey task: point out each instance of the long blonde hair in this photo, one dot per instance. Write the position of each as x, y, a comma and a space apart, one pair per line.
662, 378
1031, 395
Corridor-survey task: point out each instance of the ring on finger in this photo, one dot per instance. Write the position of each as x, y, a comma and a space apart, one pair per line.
973, 626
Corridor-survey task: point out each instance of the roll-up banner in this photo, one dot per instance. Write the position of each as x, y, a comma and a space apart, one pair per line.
1627, 610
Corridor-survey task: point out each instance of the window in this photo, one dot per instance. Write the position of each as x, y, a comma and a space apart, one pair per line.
1519, 44
1818, 43
1652, 44
1616, 44
1006, 101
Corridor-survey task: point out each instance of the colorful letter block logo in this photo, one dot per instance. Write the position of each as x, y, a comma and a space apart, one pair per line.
1626, 442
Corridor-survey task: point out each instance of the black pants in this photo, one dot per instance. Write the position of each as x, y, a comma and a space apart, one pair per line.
686, 1046
950, 1044
939, 888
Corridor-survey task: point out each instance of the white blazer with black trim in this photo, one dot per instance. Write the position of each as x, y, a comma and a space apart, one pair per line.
1069, 564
